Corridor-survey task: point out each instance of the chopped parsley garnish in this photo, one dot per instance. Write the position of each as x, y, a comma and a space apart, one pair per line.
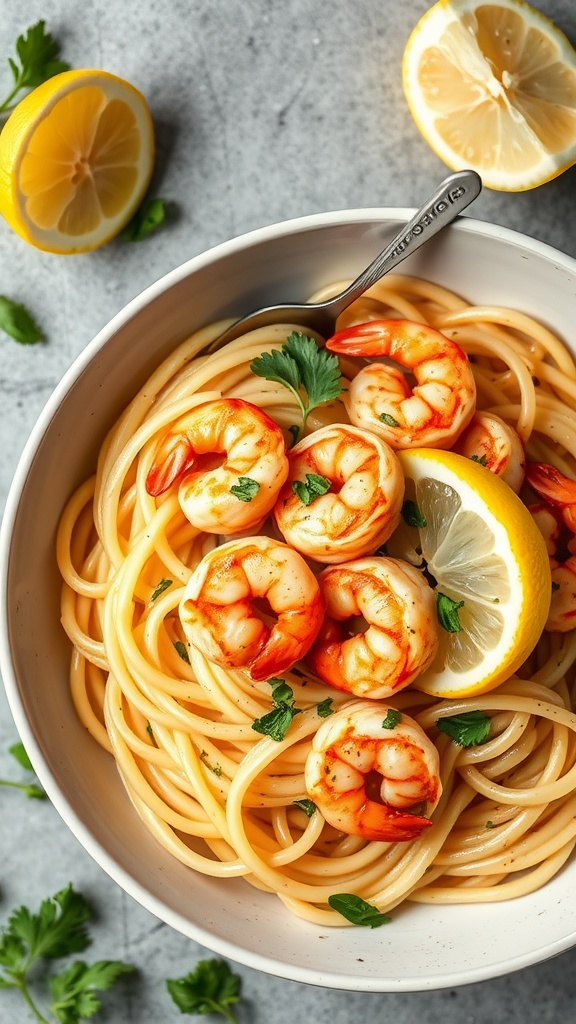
277, 722
388, 419
180, 649
160, 588
480, 459
467, 730
447, 611
245, 489
324, 709
308, 806
314, 487
412, 515
393, 717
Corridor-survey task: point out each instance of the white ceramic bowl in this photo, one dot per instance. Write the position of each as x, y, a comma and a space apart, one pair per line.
425, 946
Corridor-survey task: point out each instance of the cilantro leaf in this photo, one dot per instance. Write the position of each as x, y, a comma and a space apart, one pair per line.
212, 987
245, 489
302, 366
74, 989
38, 53
314, 487
148, 218
469, 729
447, 611
392, 718
357, 910
17, 322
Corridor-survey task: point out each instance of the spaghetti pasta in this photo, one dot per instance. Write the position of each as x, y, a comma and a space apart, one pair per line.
223, 798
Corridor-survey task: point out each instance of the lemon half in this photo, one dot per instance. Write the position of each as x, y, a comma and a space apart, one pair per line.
76, 157
492, 86
481, 547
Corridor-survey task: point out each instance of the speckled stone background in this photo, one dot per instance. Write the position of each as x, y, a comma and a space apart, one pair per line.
264, 110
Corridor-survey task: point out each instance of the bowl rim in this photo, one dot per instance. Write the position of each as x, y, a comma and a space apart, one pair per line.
90, 843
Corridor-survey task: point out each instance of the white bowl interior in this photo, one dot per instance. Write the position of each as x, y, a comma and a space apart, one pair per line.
424, 947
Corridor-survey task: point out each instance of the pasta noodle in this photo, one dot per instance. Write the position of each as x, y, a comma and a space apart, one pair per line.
215, 793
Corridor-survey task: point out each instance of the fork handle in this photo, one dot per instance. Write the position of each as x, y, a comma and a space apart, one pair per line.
452, 196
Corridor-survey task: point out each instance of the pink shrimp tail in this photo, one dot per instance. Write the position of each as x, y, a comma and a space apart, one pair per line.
370, 339
550, 484
174, 457
288, 641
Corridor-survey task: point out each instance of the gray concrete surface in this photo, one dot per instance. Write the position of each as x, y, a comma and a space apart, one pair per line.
264, 109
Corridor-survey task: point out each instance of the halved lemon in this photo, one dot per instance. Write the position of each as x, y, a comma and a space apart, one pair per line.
492, 86
76, 157
482, 551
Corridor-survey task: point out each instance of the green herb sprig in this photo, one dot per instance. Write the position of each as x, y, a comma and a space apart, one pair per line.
469, 729
212, 987
147, 219
277, 722
38, 59
311, 373
57, 930
30, 789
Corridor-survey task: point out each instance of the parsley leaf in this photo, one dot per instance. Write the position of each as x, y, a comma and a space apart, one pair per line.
388, 419
245, 489
16, 321
302, 366
447, 611
357, 910
277, 722
412, 515
160, 588
392, 718
30, 789
57, 930
148, 218
314, 487
212, 987
467, 730
308, 806
181, 651
74, 989
38, 53
324, 709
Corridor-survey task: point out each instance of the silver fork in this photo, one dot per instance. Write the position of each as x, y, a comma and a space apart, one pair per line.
452, 196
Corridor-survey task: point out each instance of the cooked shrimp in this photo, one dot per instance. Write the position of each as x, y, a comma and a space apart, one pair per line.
222, 618
230, 459
364, 773
431, 414
559, 493
488, 439
360, 509
401, 638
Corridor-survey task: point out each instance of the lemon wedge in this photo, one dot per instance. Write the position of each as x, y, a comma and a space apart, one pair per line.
492, 86
480, 547
76, 157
